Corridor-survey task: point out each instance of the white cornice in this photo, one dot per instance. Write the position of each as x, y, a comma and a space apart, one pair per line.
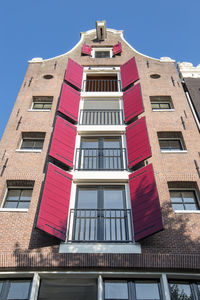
187, 70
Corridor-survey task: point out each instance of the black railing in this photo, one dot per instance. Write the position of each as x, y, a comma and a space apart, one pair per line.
101, 85
100, 159
101, 117
100, 225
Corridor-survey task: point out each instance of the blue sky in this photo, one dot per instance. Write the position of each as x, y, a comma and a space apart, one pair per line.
47, 28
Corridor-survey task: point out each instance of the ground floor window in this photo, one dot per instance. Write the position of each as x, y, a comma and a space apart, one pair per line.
184, 290
14, 289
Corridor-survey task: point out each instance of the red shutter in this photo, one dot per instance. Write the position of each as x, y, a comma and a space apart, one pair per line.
133, 105
86, 49
69, 102
63, 142
117, 48
147, 218
74, 73
137, 142
129, 72
54, 206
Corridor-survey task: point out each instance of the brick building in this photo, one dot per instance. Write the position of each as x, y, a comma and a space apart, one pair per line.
100, 179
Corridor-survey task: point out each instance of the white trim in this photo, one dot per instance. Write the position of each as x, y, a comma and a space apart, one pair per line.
165, 288
38, 110
101, 129
101, 94
13, 209
98, 49
163, 110
100, 288
35, 287
114, 177
173, 151
187, 211
29, 150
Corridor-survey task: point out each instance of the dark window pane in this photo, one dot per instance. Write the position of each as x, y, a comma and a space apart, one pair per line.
116, 290
180, 291
27, 144
147, 290
176, 145
102, 54
164, 144
38, 144
1, 285
19, 290
189, 196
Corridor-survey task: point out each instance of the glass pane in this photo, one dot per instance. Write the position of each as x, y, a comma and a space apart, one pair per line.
11, 204
175, 145
13, 195
89, 143
113, 198
164, 144
47, 105
37, 105
190, 207
1, 285
38, 144
116, 290
19, 290
27, 144
102, 54
112, 143
189, 196
146, 290
23, 204
178, 206
180, 291
164, 105
26, 195
155, 105
87, 198
176, 196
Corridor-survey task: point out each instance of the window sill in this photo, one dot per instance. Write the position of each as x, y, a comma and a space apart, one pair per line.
187, 211
27, 150
173, 151
45, 110
159, 110
14, 209
99, 248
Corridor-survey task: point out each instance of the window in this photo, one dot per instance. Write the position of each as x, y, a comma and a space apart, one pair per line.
132, 290
42, 103
18, 195
101, 83
101, 154
101, 52
101, 215
171, 141
184, 200
184, 290
161, 103
15, 289
32, 141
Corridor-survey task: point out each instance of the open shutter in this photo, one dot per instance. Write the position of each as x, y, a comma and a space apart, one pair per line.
129, 73
133, 105
86, 49
63, 142
117, 48
74, 73
54, 206
147, 218
69, 102
137, 142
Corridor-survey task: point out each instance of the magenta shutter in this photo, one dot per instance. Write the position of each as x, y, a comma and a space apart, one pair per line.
129, 73
86, 49
138, 147
63, 142
133, 105
74, 73
54, 206
147, 218
117, 48
69, 102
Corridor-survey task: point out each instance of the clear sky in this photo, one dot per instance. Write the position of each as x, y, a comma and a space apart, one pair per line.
47, 28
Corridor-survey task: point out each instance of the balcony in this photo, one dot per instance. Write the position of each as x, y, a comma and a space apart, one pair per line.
100, 225
101, 117
102, 83
96, 159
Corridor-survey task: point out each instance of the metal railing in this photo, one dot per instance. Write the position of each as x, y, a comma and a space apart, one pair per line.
101, 85
101, 117
100, 159
100, 225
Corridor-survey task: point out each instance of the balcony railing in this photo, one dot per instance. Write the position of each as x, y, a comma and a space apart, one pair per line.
100, 159
101, 85
101, 117
100, 225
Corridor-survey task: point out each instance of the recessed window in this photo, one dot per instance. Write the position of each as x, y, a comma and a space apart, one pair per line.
171, 141
48, 76
42, 103
184, 290
15, 289
101, 52
18, 195
183, 200
155, 76
161, 103
101, 83
129, 289
32, 141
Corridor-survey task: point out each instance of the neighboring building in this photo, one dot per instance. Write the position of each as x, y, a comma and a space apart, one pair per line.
100, 179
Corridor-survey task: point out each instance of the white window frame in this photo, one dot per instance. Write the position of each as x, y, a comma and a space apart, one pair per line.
100, 50
168, 101
2, 208
41, 102
30, 150
187, 211
173, 151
